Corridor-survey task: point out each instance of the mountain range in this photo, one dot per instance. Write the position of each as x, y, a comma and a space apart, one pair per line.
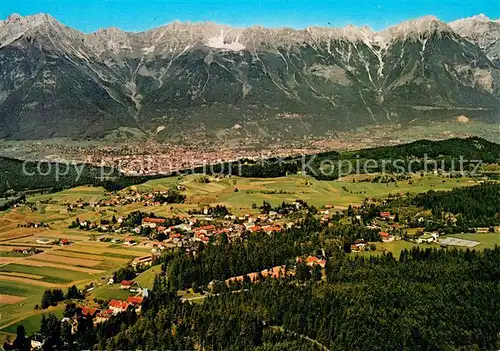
187, 79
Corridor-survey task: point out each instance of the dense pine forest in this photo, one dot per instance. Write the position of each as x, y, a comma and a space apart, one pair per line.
428, 299
474, 206
17, 177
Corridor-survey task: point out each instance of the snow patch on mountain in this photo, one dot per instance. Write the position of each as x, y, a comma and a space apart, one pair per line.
220, 42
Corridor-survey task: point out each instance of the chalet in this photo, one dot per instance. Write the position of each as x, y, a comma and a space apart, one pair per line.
358, 245
118, 306
152, 222
270, 229
386, 237
126, 284
385, 215
482, 230
103, 316
254, 228
426, 238
161, 229
64, 242
312, 261
130, 242
206, 228
142, 261
135, 300
89, 311
183, 227
44, 241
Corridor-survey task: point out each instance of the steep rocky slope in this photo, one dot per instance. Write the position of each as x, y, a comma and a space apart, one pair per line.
56, 81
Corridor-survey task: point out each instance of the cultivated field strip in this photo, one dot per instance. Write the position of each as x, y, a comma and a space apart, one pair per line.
102, 249
10, 299
86, 256
29, 281
67, 260
23, 275
34, 263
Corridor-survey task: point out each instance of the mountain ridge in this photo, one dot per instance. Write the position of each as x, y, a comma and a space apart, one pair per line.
57, 81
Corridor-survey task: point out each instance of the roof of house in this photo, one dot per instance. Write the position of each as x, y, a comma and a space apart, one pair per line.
153, 220
137, 300
119, 304
127, 282
254, 228
271, 229
312, 259
206, 227
384, 234
106, 313
89, 311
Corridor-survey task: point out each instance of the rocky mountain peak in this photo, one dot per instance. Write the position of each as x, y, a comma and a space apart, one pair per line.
483, 32
416, 29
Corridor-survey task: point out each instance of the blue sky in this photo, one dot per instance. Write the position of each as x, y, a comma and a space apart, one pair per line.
90, 15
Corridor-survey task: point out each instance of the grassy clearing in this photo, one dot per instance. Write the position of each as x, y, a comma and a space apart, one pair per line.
85, 193
19, 289
146, 278
12, 312
395, 247
32, 323
109, 292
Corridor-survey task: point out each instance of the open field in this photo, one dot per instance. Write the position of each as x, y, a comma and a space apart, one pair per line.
340, 193
85, 193
59, 267
32, 323
146, 279
487, 240
395, 247
10, 299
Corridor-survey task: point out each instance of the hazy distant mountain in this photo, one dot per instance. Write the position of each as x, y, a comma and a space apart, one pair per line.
205, 77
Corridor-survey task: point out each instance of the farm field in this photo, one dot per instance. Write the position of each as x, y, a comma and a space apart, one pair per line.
339, 193
78, 264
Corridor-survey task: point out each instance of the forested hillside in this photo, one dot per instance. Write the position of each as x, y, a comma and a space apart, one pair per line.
473, 148
427, 300
17, 176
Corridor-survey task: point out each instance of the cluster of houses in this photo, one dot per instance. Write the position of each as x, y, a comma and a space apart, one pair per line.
188, 232
99, 315
33, 225
48, 241
121, 199
312, 261
26, 251
274, 272
359, 245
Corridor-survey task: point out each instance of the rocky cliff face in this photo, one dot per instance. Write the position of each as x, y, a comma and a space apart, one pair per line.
56, 81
